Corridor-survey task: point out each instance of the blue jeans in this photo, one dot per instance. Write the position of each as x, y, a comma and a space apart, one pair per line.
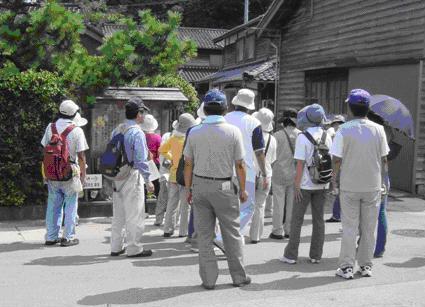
57, 199
336, 211
381, 237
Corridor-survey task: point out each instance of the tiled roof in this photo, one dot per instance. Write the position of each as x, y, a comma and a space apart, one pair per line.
264, 71
203, 37
195, 73
146, 93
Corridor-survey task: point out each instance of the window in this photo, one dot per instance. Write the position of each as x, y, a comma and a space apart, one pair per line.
250, 47
239, 50
328, 88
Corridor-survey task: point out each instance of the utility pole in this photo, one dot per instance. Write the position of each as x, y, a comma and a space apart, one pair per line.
246, 12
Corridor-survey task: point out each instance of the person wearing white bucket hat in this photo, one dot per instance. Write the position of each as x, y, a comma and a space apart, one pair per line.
153, 140
253, 141
62, 192
265, 116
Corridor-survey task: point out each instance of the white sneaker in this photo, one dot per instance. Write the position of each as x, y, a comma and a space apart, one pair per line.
287, 260
315, 261
366, 271
346, 273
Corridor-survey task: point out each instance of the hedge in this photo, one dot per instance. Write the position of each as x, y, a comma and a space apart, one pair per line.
28, 102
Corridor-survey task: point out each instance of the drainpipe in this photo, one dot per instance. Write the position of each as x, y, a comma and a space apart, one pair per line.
276, 79
246, 12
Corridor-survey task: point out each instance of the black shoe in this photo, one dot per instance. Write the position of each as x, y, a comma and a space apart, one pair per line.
145, 253
254, 241
208, 287
66, 242
168, 234
54, 242
157, 224
244, 283
286, 236
115, 254
333, 220
276, 237
180, 236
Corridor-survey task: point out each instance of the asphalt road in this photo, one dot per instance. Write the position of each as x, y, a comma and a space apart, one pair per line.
85, 275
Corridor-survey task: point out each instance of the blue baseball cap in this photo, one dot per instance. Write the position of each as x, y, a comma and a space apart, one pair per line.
358, 96
215, 96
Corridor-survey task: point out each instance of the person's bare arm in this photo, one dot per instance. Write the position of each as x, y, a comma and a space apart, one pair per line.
82, 164
336, 165
188, 173
241, 175
261, 159
298, 177
384, 172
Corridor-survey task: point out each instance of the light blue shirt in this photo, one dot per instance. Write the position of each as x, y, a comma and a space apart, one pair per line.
136, 148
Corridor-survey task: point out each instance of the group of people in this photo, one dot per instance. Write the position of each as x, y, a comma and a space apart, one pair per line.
219, 172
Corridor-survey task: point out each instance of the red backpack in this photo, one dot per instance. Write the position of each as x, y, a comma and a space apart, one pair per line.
57, 165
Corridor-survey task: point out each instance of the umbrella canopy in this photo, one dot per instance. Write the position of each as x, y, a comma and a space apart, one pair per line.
394, 113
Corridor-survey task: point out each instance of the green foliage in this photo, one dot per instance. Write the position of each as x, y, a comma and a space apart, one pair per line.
176, 81
28, 104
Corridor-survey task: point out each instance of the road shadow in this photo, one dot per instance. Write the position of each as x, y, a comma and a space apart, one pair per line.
20, 246
416, 262
73, 260
294, 283
147, 295
303, 266
141, 295
168, 262
329, 237
405, 205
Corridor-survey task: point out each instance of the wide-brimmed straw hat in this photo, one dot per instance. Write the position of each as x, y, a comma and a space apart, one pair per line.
149, 123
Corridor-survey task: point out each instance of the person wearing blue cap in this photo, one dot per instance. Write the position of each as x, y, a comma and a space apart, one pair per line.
306, 190
213, 149
359, 153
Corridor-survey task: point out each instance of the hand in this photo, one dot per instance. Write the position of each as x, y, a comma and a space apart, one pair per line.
243, 196
189, 197
298, 194
266, 183
150, 187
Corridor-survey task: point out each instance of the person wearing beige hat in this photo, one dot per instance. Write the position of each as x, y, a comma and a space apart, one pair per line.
265, 116
172, 150
253, 141
62, 195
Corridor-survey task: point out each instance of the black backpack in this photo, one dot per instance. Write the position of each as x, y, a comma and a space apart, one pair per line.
321, 168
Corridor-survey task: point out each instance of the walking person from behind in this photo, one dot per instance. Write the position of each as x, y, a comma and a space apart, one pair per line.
253, 141
128, 196
213, 150
66, 132
307, 189
265, 116
173, 150
360, 152
284, 175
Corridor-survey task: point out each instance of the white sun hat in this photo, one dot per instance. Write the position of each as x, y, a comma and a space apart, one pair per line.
70, 108
149, 124
265, 116
200, 112
245, 98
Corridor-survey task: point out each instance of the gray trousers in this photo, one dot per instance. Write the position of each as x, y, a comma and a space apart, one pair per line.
317, 200
210, 201
161, 202
176, 195
257, 224
268, 211
359, 211
283, 202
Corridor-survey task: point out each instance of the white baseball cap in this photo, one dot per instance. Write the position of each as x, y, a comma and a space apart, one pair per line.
70, 108
149, 123
245, 98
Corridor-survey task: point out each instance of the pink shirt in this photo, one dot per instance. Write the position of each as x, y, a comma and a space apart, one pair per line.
154, 141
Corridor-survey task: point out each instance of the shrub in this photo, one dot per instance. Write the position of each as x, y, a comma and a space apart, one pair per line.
28, 102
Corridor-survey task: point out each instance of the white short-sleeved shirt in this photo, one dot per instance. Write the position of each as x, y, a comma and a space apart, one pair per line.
360, 144
76, 140
271, 154
304, 151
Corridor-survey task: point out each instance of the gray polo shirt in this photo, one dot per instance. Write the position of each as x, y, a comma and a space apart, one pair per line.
214, 146
361, 144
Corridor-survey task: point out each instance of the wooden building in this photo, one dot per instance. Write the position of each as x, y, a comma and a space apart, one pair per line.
248, 61
328, 47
